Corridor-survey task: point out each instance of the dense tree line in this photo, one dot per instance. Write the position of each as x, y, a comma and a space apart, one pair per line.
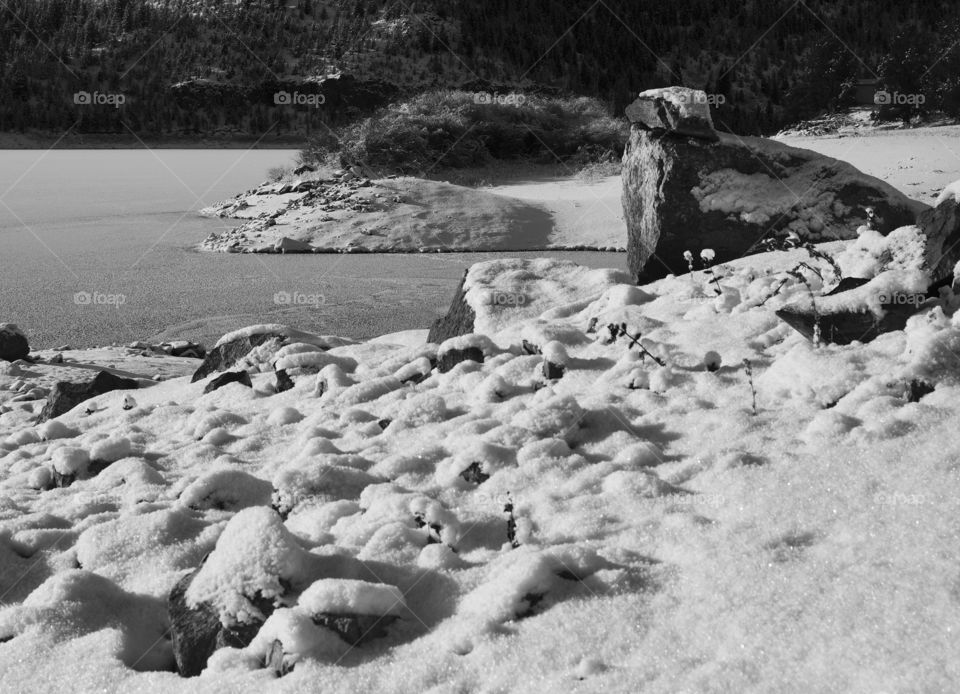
214, 66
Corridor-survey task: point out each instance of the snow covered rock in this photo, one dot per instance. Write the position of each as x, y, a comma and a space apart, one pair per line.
684, 193
65, 395
13, 343
678, 110
257, 562
859, 309
225, 355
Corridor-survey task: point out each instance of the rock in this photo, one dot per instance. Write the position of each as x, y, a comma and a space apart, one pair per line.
284, 382
458, 320
682, 193
846, 326
552, 371
474, 474
452, 357
197, 633
941, 225
226, 355
288, 245
241, 377
302, 169
13, 343
183, 348
355, 629
65, 395
677, 110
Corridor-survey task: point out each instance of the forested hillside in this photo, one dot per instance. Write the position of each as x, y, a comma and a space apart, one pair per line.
185, 67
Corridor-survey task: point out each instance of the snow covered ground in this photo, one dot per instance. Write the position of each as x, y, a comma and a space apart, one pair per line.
783, 524
918, 162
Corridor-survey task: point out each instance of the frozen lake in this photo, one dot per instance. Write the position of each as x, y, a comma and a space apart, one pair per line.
96, 246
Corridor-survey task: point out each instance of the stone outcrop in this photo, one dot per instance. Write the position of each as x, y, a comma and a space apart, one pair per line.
683, 191
13, 343
941, 225
458, 319
65, 395
226, 355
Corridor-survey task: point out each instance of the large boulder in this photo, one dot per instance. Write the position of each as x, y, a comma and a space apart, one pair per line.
66, 395
941, 226
685, 193
222, 357
457, 321
677, 110
13, 343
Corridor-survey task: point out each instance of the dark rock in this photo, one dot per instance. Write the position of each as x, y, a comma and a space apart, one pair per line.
197, 633
663, 175
941, 225
552, 371
226, 355
916, 389
847, 326
284, 382
65, 395
677, 110
355, 629
185, 349
529, 348
452, 357
474, 474
13, 344
241, 377
302, 169
56, 358
458, 320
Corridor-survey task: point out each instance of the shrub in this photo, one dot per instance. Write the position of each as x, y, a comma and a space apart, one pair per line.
449, 129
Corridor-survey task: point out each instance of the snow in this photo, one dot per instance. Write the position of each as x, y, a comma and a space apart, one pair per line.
950, 192
350, 596
688, 103
669, 538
